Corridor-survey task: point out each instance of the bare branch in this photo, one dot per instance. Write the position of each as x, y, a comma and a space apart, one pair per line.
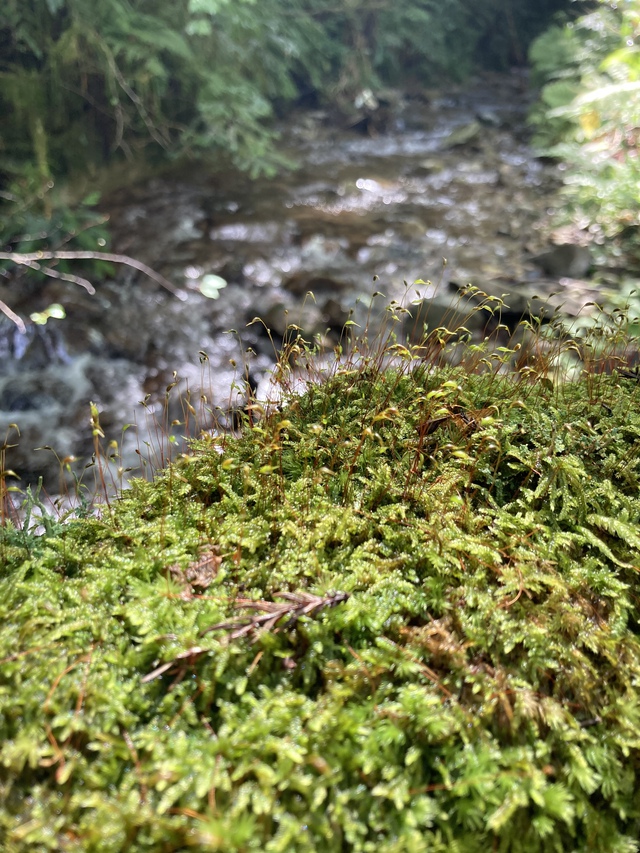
31, 257
154, 131
66, 276
13, 317
296, 605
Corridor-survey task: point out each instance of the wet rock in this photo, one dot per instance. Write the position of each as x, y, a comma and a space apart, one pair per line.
49, 399
373, 113
488, 117
571, 297
462, 135
445, 308
565, 261
429, 165
318, 282
319, 251
308, 318
36, 349
29, 394
335, 313
411, 228
543, 298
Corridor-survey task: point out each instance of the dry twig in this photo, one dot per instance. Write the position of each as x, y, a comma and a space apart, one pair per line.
33, 259
295, 606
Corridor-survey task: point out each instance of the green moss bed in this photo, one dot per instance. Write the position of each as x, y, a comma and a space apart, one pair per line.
399, 614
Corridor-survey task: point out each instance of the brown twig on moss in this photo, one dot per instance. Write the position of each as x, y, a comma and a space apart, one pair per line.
295, 606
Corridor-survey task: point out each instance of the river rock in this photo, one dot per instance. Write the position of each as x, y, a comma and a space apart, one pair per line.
542, 298
444, 308
319, 282
307, 317
462, 135
565, 261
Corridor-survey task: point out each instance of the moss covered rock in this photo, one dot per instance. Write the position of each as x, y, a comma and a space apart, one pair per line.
400, 614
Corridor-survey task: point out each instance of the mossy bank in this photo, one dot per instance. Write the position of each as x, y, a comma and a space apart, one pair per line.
399, 614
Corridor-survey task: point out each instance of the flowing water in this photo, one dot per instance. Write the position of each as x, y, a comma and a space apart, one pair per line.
437, 175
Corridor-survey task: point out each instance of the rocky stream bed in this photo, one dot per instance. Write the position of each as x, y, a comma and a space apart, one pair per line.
376, 203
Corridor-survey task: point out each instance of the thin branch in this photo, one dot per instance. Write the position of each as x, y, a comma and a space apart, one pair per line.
48, 271
13, 317
31, 257
296, 605
154, 131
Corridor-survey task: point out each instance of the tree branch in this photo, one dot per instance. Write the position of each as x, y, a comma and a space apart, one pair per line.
34, 257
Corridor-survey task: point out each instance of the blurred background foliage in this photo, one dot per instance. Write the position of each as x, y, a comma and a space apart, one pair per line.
80, 81
588, 115
85, 84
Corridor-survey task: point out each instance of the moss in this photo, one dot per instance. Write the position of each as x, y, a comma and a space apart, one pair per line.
400, 614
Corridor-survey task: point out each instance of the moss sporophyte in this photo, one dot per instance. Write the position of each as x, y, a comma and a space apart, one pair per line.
398, 612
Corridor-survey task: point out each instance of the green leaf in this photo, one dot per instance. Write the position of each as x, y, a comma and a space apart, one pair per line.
211, 285
53, 311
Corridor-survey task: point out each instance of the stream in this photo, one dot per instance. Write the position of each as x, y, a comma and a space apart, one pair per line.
376, 201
